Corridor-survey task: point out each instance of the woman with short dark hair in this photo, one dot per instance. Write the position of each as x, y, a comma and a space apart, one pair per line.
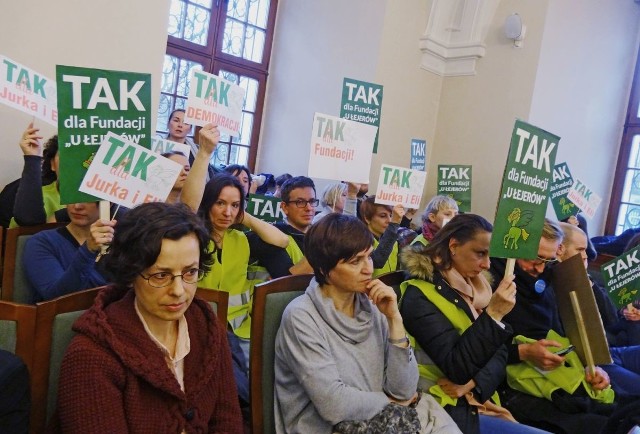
342, 355
149, 356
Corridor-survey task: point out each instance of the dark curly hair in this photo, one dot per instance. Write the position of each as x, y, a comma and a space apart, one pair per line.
48, 154
461, 228
212, 192
336, 237
139, 234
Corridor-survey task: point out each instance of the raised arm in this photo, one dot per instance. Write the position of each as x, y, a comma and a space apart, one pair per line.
267, 233
28, 209
197, 178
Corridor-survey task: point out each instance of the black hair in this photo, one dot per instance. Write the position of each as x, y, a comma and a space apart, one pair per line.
48, 154
336, 237
235, 169
282, 179
293, 183
462, 228
138, 239
212, 192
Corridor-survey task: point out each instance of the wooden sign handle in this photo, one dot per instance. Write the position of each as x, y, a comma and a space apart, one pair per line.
511, 263
583, 333
105, 206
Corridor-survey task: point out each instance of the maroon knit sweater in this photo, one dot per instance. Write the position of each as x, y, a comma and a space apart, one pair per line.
114, 379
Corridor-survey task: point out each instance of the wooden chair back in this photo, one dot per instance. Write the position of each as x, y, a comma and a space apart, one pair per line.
219, 301
53, 336
269, 301
17, 330
15, 286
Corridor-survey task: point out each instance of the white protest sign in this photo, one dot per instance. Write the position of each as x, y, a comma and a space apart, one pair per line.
584, 198
214, 100
26, 90
341, 149
128, 174
399, 185
162, 146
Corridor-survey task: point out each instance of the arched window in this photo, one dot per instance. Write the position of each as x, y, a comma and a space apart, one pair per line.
229, 38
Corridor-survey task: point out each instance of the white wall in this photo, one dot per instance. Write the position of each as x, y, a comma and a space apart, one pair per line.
110, 34
582, 87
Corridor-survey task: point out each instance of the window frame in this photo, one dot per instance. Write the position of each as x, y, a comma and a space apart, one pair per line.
630, 130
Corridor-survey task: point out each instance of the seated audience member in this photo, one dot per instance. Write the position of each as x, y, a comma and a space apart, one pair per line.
437, 213
15, 400
149, 356
176, 190
37, 197
565, 398
625, 370
63, 260
280, 180
342, 357
179, 131
223, 206
383, 222
268, 186
298, 204
335, 199
456, 321
579, 221
242, 173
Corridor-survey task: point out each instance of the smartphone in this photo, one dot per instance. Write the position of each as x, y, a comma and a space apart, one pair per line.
565, 351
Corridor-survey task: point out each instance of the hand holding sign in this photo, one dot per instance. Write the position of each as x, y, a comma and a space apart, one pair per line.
30, 141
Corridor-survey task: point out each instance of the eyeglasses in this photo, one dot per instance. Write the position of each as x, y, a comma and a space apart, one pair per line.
163, 278
301, 203
543, 261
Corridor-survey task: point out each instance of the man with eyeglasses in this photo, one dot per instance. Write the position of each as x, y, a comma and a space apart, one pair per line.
533, 316
299, 204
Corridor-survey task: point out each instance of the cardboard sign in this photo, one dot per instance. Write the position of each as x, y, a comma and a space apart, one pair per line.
340, 149
570, 275
26, 90
584, 198
92, 103
266, 208
162, 146
214, 100
418, 155
562, 182
397, 185
455, 181
622, 277
522, 203
362, 102
128, 174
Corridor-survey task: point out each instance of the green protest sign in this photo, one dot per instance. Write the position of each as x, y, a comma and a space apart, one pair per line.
523, 198
91, 103
562, 182
265, 208
362, 102
622, 277
418, 155
454, 180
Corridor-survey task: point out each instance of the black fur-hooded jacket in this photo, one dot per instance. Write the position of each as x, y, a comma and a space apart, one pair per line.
479, 353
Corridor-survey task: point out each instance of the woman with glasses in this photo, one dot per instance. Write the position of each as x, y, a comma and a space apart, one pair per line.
456, 322
383, 222
148, 356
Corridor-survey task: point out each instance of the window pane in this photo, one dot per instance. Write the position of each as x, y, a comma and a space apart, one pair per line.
628, 217
254, 44
233, 39
634, 155
237, 9
165, 108
196, 25
205, 3
239, 155
250, 87
169, 72
258, 13
246, 126
176, 18
220, 156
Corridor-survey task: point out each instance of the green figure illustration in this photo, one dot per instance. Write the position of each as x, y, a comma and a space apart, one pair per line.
566, 205
459, 202
519, 220
88, 161
625, 296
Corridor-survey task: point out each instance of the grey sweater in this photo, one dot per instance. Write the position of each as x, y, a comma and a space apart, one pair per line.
330, 368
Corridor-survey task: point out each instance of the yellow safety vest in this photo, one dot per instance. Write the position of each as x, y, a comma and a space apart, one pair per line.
392, 262
528, 379
420, 239
460, 321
